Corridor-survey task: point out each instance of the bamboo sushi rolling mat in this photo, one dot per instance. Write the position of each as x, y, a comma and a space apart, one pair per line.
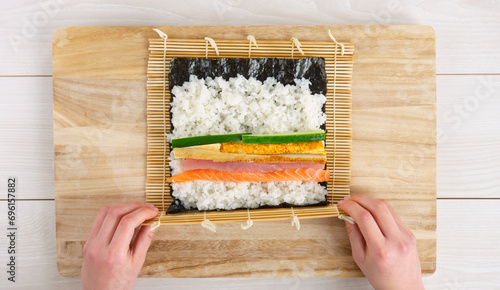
100, 129
338, 66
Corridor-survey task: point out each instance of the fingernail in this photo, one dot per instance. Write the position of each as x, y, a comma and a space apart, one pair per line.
346, 198
151, 206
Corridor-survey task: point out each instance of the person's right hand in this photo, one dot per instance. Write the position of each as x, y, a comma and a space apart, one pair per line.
382, 245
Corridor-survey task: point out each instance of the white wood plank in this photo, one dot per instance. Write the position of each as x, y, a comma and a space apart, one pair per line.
468, 153
36, 265
468, 147
468, 255
26, 142
467, 32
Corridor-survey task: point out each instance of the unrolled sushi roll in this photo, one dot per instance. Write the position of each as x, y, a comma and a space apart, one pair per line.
216, 97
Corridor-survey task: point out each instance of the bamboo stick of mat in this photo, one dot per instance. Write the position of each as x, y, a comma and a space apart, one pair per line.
338, 143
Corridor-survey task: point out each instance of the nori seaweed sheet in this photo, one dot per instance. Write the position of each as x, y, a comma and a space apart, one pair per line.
284, 71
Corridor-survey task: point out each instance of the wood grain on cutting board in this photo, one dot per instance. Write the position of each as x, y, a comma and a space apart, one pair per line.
100, 150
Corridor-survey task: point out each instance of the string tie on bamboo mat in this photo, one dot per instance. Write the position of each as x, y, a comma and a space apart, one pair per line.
344, 217
296, 43
165, 37
213, 44
336, 43
347, 219
155, 225
207, 223
251, 39
249, 222
161, 33
295, 220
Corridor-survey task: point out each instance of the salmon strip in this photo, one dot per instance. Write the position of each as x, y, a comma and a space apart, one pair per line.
307, 174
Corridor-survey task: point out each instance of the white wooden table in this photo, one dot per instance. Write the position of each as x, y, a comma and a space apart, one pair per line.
468, 112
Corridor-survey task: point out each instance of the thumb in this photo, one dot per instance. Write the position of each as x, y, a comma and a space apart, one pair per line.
358, 244
141, 244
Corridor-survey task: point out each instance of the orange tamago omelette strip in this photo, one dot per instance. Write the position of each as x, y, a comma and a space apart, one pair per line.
315, 147
306, 174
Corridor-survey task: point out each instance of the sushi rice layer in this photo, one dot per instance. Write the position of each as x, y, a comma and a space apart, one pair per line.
239, 105
209, 195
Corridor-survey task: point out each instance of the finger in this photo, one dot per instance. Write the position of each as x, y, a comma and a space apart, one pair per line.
113, 217
401, 225
141, 244
358, 244
96, 226
367, 225
380, 213
125, 230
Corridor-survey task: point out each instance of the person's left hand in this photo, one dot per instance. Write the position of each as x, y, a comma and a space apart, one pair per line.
110, 261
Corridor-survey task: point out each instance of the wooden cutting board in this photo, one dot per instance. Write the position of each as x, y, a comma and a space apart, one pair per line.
100, 150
